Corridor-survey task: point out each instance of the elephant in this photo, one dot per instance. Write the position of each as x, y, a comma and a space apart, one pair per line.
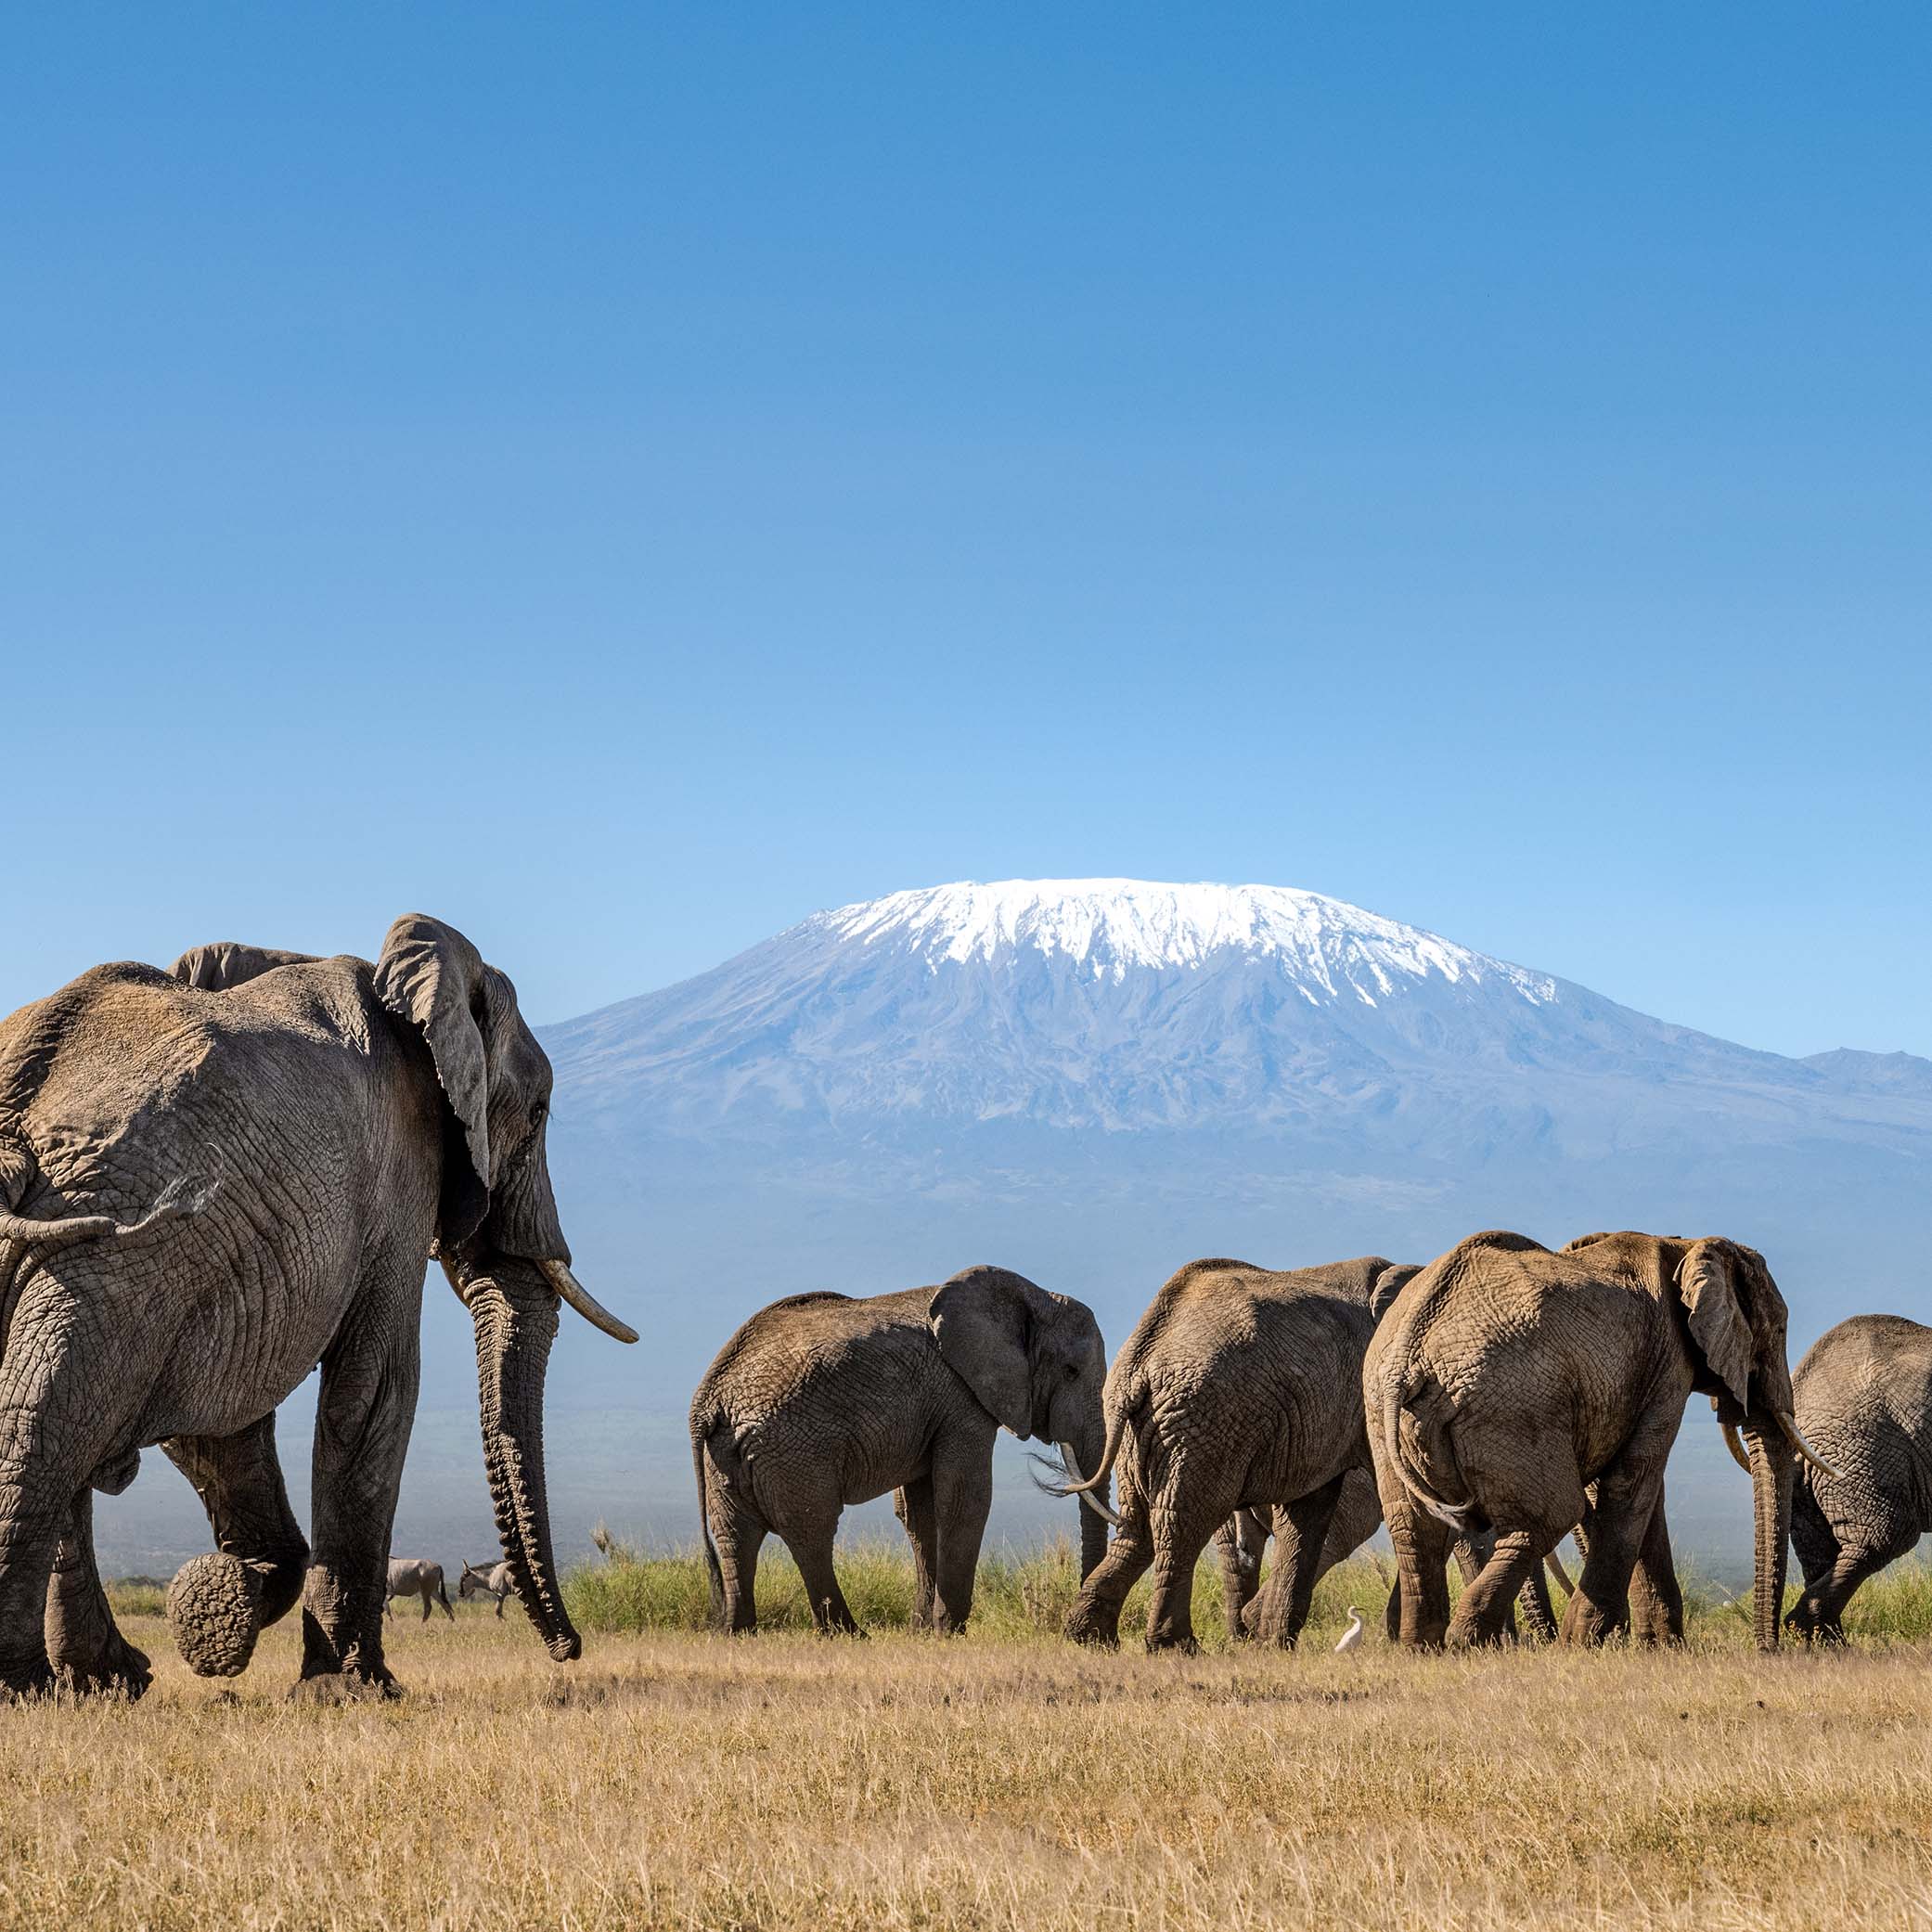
825, 1399
1239, 1389
213, 1178
1520, 1391
1864, 1396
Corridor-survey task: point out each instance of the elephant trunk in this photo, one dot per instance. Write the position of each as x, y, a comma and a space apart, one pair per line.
515, 1326
1772, 1468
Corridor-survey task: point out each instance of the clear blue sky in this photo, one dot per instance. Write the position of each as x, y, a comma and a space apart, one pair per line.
621, 477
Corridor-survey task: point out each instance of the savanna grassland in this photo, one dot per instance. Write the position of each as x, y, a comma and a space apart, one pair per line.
1004, 1779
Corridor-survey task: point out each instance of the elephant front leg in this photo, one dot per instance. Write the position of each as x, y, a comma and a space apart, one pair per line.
912, 1504
84, 1647
362, 1434
1656, 1597
238, 1478
963, 1499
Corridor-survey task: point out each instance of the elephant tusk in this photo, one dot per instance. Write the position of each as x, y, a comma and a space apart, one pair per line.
1086, 1496
1797, 1438
1736, 1446
586, 1303
1554, 1565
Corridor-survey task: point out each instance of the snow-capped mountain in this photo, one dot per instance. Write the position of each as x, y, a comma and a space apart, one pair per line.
1123, 1005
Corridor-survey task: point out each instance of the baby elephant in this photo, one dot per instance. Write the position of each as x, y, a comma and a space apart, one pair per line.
822, 1399
1863, 1395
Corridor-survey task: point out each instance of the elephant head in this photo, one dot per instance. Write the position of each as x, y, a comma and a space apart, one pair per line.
1035, 1363
497, 1232
1736, 1320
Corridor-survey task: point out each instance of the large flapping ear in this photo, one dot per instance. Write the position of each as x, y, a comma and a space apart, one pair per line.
430, 976
1389, 1283
225, 964
1707, 1282
984, 1322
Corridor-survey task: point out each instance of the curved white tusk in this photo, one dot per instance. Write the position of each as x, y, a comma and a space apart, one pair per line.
586, 1303
1736, 1446
1797, 1438
1086, 1496
1554, 1563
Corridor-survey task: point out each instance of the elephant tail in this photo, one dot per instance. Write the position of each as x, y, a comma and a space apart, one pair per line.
1117, 1433
1426, 1444
713, 1569
20, 1172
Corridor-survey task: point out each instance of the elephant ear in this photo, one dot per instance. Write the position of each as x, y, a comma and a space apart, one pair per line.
225, 964
432, 977
984, 1325
1389, 1283
1707, 1280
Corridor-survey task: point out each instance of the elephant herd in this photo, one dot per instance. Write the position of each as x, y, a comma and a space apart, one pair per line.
216, 1178
1485, 1407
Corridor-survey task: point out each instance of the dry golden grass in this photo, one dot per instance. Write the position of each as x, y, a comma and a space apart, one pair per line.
677, 1780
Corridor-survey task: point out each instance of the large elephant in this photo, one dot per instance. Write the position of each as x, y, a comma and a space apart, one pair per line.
1507, 1378
1864, 1396
821, 1401
1240, 1388
211, 1181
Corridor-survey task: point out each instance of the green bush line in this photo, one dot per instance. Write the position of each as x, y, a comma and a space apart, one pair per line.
1027, 1594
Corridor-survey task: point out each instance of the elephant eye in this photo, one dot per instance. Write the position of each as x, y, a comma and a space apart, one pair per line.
1073, 1372
537, 1112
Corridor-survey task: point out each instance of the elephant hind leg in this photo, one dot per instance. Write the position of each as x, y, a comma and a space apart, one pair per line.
1301, 1529
811, 1551
1656, 1597
1239, 1543
1821, 1611
737, 1533
84, 1647
1485, 1611
1095, 1618
238, 1478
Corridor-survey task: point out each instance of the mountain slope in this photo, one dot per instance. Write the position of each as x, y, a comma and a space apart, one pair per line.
1121, 1006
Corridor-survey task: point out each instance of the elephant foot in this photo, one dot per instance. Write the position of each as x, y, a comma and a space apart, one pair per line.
1174, 1646
120, 1671
1086, 1624
345, 1687
23, 1680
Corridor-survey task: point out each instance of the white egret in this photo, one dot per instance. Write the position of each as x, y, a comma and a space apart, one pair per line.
1353, 1634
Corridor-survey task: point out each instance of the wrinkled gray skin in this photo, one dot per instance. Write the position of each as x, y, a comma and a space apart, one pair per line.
1506, 1378
418, 1577
212, 1179
822, 1400
1239, 1389
1864, 1401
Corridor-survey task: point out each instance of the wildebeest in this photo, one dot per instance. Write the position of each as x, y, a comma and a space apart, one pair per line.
418, 1577
495, 1579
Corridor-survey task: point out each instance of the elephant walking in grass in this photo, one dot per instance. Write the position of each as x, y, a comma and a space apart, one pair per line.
1239, 1389
1864, 1396
1519, 1392
214, 1178
822, 1400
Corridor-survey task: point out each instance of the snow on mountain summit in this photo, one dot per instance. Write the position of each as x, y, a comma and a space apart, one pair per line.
1110, 926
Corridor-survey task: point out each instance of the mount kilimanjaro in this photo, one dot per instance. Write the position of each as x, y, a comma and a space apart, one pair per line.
1116, 1008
